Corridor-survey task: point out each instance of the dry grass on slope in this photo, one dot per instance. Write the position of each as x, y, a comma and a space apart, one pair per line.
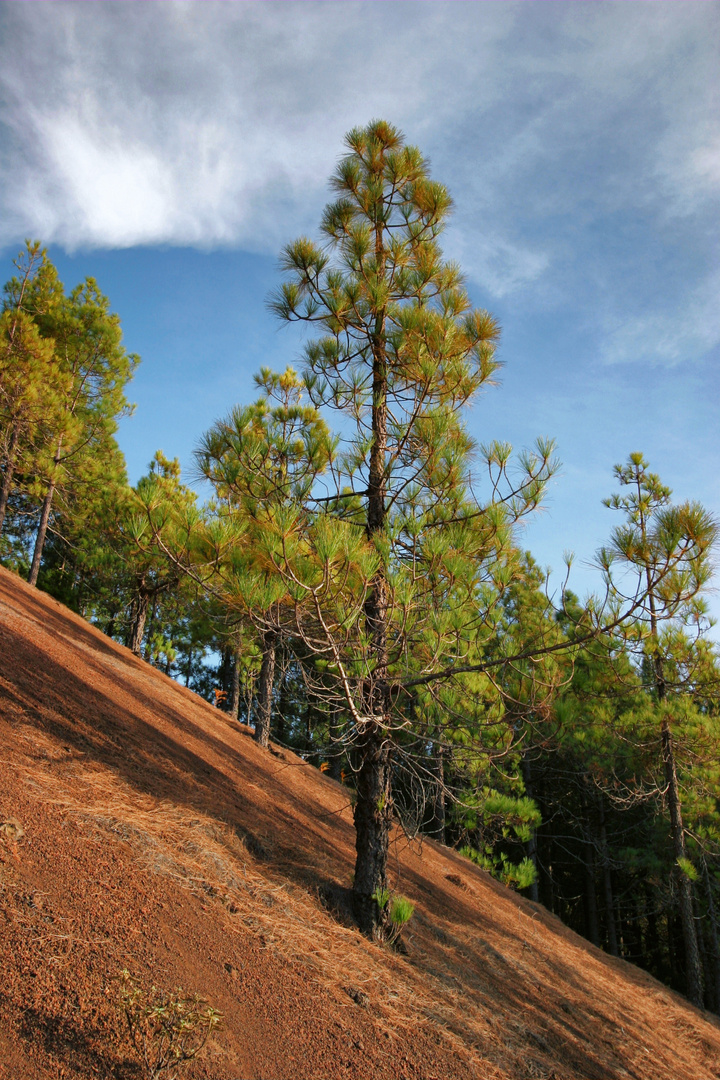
144, 808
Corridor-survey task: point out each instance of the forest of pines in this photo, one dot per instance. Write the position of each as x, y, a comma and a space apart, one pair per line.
355, 590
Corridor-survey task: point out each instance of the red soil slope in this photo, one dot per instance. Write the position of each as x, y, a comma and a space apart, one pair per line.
146, 831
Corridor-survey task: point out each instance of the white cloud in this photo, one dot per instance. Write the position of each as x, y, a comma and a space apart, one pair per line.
556, 128
502, 266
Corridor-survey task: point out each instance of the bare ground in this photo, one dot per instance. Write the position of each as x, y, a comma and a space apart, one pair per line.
140, 829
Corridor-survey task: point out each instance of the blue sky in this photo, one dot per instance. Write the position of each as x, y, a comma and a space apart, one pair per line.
171, 149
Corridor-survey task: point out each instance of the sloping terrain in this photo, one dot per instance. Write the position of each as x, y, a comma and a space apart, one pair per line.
140, 829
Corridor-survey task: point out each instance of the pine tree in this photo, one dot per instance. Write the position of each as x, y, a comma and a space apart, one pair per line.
391, 594
90, 369
668, 549
154, 527
261, 459
31, 384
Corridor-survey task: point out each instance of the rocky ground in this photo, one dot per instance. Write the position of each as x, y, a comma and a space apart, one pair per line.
141, 830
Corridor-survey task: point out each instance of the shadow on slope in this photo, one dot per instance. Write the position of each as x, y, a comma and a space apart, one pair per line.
246, 847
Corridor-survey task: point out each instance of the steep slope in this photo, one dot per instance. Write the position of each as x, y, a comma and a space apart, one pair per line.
143, 830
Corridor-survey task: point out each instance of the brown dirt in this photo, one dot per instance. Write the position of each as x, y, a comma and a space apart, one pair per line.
148, 832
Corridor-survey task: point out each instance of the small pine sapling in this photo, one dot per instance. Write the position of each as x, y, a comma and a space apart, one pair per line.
396, 912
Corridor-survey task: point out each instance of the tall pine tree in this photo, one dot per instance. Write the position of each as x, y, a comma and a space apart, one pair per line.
401, 353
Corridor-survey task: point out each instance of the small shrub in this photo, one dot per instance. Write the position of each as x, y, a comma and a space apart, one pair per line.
166, 1029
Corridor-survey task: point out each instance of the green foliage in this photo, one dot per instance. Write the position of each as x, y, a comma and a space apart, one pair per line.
167, 1029
401, 911
395, 913
688, 869
519, 875
381, 898
63, 370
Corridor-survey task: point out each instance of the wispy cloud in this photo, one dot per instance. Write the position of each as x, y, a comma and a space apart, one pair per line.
571, 135
669, 337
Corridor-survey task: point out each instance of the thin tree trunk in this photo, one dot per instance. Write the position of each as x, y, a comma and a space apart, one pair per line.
263, 707
140, 606
693, 962
706, 953
679, 966
437, 827
283, 708
41, 534
592, 928
532, 845
235, 688
8, 473
310, 714
335, 737
151, 628
653, 948
44, 519
607, 883
111, 624
714, 939
373, 809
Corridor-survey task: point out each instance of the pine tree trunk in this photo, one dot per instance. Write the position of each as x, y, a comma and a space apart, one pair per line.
373, 814
592, 927
235, 688
610, 925
335, 738
532, 844
437, 828
44, 520
714, 941
373, 809
263, 707
544, 847
678, 968
140, 606
111, 624
653, 947
693, 963
151, 628
283, 707
41, 534
8, 473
